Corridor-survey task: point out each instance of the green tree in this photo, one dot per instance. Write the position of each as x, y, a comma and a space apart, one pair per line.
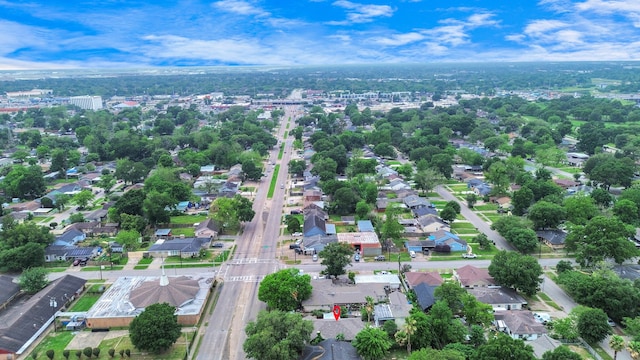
251, 171
565, 328
129, 238
498, 177
156, 329
155, 207
475, 312
130, 171
471, 200
244, 208
444, 327
452, 294
601, 238
285, 290
336, 256
561, 353
482, 240
277, 335
546, 215
525, 240
433, 354
83, 198
443, 163
372, 343
592, 325
344, 201
427, 179
477, 336
297, 167
362, 209
391, 227
626, 211
24, 182
580, 209
106, 182
87, 352
520, 272
502, 346
293, 224
448, 213
33, 280
602, 197
617, 344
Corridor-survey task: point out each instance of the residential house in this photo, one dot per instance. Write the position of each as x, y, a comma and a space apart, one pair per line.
36, 314
116, 248
330, 229
499, 298
431, 224
314, 225
576, 159
420, 246
416, 202
10, 290
99, 215
316, 243
397, 309
207, 228
70, 237
423, 211
426, 295
398, 184
482, 190
183, 247
381, 205
207, 169
348, 220
315, 210
329, 292
543, 344
470, 276
414, 278
365, 226
443, 237
70, 252
365, 242
566, 183
391, 281
519, 324
229, 189
163, 234
312, 195
553, 238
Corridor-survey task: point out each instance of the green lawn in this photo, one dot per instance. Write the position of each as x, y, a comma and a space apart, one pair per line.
145, 261
281, 152
462, 225
274, 180
106, 268
85, 302
55, 341
141, 267
187, 219
486, 207
187, 232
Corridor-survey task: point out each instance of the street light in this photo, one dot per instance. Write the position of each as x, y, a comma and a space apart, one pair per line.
54, 305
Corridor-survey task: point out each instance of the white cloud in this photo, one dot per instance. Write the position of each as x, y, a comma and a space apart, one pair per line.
538, 27
361, 13
239, 7
609, 6
398, 39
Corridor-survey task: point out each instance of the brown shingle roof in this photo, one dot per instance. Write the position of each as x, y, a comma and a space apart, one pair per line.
471, 276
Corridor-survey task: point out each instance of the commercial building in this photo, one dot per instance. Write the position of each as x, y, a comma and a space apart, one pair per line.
87, 102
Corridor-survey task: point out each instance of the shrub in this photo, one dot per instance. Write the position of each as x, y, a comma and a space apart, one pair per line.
121, 352
87, 352
112, 353
66, 354
96, 352
50, 354
78, 354
128, 352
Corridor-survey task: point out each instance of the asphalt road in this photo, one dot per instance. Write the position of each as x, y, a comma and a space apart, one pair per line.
255, 257
473, 218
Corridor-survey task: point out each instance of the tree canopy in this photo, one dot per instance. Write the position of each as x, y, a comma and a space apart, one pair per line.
601, 238
336, 256
285, 290
520, 272
277, 335
156, 329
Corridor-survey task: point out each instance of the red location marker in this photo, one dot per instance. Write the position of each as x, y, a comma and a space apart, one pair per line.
336, 312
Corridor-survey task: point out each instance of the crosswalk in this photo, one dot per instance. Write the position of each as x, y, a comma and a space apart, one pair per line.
245, 278
226, 277
250, 261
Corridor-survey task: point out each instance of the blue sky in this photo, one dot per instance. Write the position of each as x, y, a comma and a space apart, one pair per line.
55, 34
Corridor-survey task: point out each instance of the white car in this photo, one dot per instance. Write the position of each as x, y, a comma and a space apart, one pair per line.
469, 256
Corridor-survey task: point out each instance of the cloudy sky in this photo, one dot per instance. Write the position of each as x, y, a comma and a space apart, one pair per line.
49, 34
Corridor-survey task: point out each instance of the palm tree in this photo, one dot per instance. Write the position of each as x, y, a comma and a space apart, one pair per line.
634, 349
369, 307
409, 329
617, 343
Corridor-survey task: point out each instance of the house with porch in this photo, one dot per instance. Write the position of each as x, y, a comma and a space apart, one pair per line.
519, 324
470, 276
499, 298
554, 238
443, 237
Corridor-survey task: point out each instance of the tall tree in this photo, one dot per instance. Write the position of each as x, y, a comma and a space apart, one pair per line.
502, 346
617, 344
372, 343
592, 325
33, 280
561, 353
601, 238
520, 272
156, 329
336, 256
546, 215
285, 290
277, 335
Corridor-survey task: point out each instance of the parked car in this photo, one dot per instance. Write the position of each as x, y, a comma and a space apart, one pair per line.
294, 246
412, 253
380, 258
469, 256
76, 262
217, 245
356, 258
611, 322
296, 234
315, 257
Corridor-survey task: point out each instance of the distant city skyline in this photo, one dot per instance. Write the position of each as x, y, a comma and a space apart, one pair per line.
56, 34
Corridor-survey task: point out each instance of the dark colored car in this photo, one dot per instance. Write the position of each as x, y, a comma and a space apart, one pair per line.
380, 258
294, 246
356, 258
218, 245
